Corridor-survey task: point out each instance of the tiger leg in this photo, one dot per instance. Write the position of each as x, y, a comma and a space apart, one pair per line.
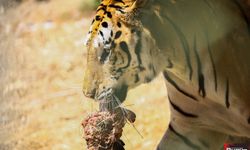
190, 138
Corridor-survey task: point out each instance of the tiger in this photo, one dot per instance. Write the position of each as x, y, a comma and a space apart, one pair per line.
201, 47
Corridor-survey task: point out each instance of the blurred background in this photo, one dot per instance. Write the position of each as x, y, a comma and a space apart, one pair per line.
42, 62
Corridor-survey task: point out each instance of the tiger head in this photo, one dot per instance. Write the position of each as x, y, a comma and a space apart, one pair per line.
120, 52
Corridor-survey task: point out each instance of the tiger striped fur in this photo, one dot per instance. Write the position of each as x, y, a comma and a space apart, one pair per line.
203, 49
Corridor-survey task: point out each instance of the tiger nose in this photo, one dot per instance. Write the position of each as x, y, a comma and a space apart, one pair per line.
90, 94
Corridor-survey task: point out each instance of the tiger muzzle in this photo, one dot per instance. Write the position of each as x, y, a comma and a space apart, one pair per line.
89, 89
90, 94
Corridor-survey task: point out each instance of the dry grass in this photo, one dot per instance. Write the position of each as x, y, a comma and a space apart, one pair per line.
43, 67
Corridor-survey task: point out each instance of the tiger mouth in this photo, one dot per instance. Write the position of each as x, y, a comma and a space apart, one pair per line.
111, 99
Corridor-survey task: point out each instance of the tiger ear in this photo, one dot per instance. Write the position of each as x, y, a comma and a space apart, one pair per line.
141, 3
136, 3
130, 14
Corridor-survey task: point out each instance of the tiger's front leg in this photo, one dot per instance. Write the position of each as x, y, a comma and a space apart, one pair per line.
181, 136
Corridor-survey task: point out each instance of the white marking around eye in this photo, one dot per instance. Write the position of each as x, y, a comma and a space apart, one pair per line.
106, 32
100, 40
107, 36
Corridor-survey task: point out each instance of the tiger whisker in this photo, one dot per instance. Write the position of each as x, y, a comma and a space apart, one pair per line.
128, 105
124, 111
119, 104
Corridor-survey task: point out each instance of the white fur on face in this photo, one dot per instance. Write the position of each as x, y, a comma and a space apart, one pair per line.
102, 38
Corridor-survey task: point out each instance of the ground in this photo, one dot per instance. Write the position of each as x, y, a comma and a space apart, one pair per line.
42, 62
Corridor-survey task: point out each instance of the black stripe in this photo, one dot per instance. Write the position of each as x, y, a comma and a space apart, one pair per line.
209, 6
248, 120
92, 21
138, 48
227, 94
108, 14
137, 78
120, 1
101, 33
115, 6
177, 108
183, 138
184, 43
202, 91
111, 33
121, 11
101, 7
98, 18
104, 56
119, 24
177, 87
213, 64
245, 16
118, 34
124, 47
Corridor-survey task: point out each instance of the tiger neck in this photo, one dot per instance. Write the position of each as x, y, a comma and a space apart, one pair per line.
161, 59
167, 54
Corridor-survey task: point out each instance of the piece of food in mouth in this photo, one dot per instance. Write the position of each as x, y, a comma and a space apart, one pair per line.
103, 129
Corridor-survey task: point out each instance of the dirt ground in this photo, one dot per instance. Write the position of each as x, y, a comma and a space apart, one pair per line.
42, 61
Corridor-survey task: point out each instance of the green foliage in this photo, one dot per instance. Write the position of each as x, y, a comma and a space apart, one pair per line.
88, 5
